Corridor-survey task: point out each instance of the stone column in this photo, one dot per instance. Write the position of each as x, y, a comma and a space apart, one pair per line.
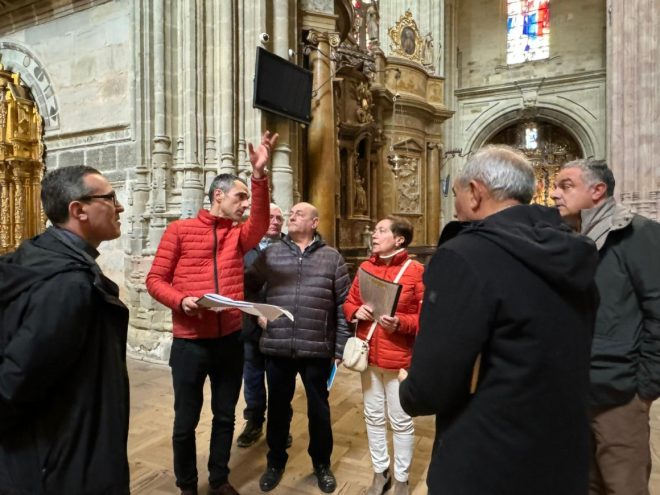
282, 178
321, 137
161, 155
192, 194
633, 76
432, 193
226, 70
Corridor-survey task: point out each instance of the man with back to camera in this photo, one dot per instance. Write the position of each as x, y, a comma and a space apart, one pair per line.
625, 355
310, 279
64, 393
510, 287
198, 256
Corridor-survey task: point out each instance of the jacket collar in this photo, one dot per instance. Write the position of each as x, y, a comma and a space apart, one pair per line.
609, 216
397, 259
316, 243
205, 217
78, 242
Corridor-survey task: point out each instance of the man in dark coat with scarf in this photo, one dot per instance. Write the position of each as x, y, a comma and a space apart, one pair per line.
502, 354
625, 355
63, 380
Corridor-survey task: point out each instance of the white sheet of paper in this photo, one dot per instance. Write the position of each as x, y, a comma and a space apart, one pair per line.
218, 303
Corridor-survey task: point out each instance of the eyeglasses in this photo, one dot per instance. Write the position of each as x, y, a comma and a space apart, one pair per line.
111, 196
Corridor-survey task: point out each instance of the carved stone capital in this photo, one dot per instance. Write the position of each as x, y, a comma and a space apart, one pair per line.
315, 37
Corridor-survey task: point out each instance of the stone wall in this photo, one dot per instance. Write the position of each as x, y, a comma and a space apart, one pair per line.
568, 89
577, 42
77, 61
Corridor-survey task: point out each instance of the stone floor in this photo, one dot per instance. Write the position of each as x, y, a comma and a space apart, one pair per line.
150, 456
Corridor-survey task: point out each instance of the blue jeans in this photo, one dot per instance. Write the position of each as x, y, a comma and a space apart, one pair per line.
191, 362
254, 388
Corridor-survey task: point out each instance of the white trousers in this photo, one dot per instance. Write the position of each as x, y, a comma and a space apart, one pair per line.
380, 389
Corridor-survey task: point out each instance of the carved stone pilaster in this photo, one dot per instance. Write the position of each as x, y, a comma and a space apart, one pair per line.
633, 76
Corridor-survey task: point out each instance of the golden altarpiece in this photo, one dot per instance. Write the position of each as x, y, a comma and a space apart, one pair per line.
21, 163
389, 112
547, 146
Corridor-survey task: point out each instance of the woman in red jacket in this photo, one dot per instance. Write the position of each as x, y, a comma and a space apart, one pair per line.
390, 348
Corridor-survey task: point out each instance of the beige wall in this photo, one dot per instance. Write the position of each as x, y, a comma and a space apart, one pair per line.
577, 42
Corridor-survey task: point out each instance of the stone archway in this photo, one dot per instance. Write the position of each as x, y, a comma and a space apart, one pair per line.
547, 145
581, 133
18, 59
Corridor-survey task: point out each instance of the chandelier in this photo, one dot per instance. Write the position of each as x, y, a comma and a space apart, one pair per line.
394, 160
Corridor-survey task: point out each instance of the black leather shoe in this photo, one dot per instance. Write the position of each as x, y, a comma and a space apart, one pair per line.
250, 434
270, 479
327, 481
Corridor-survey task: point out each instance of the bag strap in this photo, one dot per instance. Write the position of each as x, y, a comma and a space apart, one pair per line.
403, 269
396, 281
371, 331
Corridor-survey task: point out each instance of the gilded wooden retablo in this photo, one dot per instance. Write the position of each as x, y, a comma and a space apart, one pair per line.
21, 163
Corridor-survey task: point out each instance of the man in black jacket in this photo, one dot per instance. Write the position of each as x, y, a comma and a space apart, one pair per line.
305, 276
509, 309
625, 356
63, 380
254, 366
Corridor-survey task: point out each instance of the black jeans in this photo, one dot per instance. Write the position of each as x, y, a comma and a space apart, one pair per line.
281, 373
191, 362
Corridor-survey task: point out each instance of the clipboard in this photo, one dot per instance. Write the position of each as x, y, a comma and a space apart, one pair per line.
379, 294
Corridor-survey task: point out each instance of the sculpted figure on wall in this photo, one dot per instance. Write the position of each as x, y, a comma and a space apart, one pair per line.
427, 50
373, 19
360, 203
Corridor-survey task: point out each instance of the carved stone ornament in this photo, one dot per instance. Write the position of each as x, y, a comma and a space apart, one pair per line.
18, 59
406, 40
408, 186
333, 39
365, 103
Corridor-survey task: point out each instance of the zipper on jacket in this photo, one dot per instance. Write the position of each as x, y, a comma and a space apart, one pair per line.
293, 332
215, 260
215, 271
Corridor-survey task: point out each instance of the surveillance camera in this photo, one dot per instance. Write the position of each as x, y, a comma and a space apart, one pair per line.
264, 37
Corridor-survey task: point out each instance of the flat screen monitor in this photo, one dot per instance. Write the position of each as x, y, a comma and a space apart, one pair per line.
282, 87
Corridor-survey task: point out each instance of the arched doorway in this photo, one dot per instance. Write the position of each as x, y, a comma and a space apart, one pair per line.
21, 163
547, 145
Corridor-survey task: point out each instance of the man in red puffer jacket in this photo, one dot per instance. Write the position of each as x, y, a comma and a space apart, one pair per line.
198, 256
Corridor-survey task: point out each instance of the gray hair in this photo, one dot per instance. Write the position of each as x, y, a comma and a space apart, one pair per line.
506, 173
224, 182
62, 186
593, 172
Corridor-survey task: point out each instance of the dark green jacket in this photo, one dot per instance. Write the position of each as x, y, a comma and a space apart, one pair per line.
626, 346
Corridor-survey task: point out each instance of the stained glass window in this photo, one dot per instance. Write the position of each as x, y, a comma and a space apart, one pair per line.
528, 30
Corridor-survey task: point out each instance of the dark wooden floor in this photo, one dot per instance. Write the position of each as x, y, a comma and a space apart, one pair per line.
150, 452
